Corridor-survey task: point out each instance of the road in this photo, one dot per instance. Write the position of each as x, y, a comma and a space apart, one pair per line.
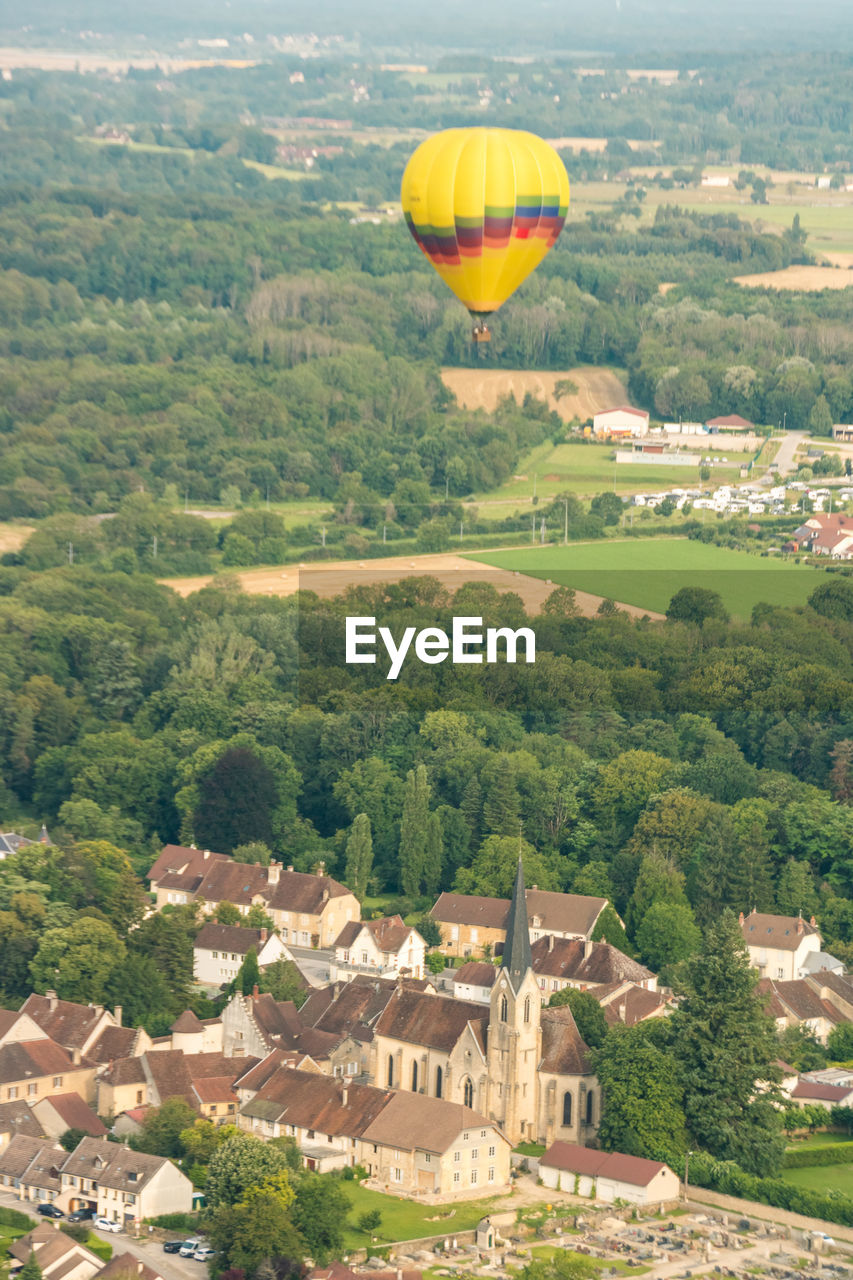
791, 442
313, 963
171, 1266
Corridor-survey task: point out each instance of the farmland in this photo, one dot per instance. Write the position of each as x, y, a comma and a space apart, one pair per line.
648, 573
597, 389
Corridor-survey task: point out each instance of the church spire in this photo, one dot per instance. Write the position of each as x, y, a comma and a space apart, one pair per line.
516, 953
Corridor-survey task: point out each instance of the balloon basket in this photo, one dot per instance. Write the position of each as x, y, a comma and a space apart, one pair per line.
481, 335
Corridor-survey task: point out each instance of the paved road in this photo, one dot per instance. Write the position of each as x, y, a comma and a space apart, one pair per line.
791, 442
313, 963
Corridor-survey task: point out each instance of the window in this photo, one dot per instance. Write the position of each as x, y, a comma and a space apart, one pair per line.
456, 1177
364, 957
234, 955
213, 1109
390, 1071
475, 1153
414, 1077
352, 1068
457, 1156
398, 1175
780, 973
439, 1077
491, 1175
473, 1177
527, 1008
427, 1158
491, 1152
567, 1108
482, 1133
57, 1082
12, 1093
32, 1090
215, 955
589, 1113
475, 936
346, 957
468, 1092
504, 1009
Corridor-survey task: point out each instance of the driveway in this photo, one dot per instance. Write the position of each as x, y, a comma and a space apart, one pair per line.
791, 442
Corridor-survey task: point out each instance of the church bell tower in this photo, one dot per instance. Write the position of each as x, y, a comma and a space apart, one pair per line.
515, 1036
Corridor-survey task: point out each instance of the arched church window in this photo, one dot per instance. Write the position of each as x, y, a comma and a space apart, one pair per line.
589, 1098
439, 1081
527, 1008
468, 1092
414, 1077
390, 1071
567, 1108
504, 1009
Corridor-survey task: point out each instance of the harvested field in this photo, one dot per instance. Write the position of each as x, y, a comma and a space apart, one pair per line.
802, 278
13, 536
482, 389
332, 577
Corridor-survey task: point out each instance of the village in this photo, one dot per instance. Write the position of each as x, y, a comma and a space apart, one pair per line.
442, 1074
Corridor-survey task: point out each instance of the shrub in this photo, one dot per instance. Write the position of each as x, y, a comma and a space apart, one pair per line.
12, 1218
175, 1221
839, 1153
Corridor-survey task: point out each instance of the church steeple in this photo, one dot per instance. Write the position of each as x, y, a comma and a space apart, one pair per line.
517, 959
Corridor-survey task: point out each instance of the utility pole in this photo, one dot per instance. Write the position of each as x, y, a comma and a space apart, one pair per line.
542, 532
535, 478
533, 528
566, 526
461, 524
323, 535
71, 553
384, 531
687, 1172
154, 546
446, 487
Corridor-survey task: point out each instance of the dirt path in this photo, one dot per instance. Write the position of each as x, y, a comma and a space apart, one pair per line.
482, 389
803, 278
332, 577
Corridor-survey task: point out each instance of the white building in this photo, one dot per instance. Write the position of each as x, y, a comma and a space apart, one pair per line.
607, 1175
779, 946
388, 948
220, 949
623, 420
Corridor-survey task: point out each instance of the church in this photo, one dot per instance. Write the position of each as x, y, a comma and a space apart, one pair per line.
523, 1066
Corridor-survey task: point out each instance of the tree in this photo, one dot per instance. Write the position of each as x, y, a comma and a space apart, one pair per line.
500, 806
839, 1043
433, 856
227, 913
799, 1047
492, 872
795, 890
609, 506
642, 1110
695, 605
658, 880
359, 856
254, 852
820, 418
841, 773
834, 599
243, 1161
72, 1138
667, 934
370, 1221
248, 977
31, 1269
587, 1013
162, 1128
413, 831
77, 962
560, 1266
236, 800
319, 1215
258, 1228
725, 1044
283, 981
609, 928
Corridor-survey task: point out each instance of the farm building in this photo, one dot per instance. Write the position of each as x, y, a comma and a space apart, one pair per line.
731, 422
607, 1175
843, 431
623, 420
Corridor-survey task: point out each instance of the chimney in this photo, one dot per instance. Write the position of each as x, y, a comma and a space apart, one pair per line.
206, 854
117, 1014
255, 992
51, 1000
534, 887
344, 1096
813, 922
263, 935
550, 942
274, 872
290, 868
75, 1056
741, 918
623, 1011
321, 868
801, 928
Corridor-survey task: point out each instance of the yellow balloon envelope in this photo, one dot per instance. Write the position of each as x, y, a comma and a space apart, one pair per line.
485, 205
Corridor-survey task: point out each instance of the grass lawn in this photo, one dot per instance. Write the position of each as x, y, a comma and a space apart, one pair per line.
409, 1220
648, 572
544, 1252
818, 1140
829, 1177
530, 1149
588, 469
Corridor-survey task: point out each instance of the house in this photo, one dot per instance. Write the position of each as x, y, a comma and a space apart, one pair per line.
525, 1066
622, 420
128, 1266
76, 1027
220, 949
30, 1166
31, 1069
840, 431
64, 1111
123, 1185
58, 1256
11, 842
817, 1002
560, 962
827, 535
474, 981
190, 1034
307, 910
629, 1003
731, 422
409, 1144
17, 1117
387, 947
807, 1092
160, 1074
253, 1025
779, 945
476, 926
607, 1175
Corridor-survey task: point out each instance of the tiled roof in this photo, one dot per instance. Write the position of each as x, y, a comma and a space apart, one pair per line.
299, 891
22, 1150
75, 1113
476, 973
354, 1008
436, 1022
237, 882
32, 1059
187, 1024
780, 933
257, 1075
624, 408
124, 1071
52, 1248
565, 958
390, 933
215, 1089
127, 1266
630, 1004
11, 842
574, 913
819, 1092
413, 1121
16, 1117
563, 1051
174, 1073
176, 859
113, 1043
318, 1102
608, 1164
227, 937
730, 420
112, 1164
69, 1024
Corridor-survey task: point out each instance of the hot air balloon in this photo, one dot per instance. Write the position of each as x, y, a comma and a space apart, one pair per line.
485, 205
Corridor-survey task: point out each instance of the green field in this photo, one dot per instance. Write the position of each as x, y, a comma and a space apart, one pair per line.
828, 1177
648, 572
408, 1220
588, 469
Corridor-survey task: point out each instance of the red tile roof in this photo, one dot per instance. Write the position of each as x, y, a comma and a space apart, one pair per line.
436, 1022
32, 1059
609, 1164
780, 933
476, 973
563, 913
75, 1113
731, 420
69, 1024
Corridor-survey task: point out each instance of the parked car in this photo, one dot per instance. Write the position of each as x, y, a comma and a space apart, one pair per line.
81, 1215
173, 1246
188, 1248
203, 1253
106, 1224
48, 1210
